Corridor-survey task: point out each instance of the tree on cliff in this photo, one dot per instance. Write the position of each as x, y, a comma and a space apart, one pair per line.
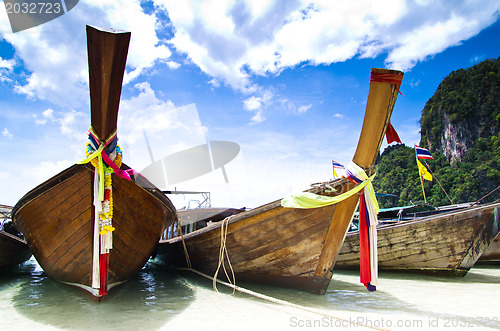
460, 126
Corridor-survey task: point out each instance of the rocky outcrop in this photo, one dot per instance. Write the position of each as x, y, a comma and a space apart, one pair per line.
457, 138
464, 108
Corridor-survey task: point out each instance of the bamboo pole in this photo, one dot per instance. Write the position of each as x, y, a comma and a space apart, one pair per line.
434, 176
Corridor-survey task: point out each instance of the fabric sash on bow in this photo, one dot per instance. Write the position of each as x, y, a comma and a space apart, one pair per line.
368, 210
99, 147
306, 200
104, 151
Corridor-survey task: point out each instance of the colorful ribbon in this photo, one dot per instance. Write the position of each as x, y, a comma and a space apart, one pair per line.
369, 209
103, 157
387, 78
305, 200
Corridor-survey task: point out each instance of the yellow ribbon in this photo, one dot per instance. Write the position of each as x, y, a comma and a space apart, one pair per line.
100, 163
307, 200
101, 168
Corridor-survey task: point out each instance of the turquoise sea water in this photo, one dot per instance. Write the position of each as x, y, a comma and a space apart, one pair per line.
158, 299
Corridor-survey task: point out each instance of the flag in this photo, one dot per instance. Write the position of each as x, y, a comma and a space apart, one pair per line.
423, 172
422, 153
391, 134
336, 165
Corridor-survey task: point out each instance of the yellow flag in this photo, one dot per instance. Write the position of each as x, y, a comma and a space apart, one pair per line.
422, 171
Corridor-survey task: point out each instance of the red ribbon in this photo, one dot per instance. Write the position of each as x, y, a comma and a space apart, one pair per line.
387, 78
104, 267
391, 134
364, 245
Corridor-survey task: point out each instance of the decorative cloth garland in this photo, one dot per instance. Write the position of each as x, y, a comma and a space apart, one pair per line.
106, 157
368, 218
368, 210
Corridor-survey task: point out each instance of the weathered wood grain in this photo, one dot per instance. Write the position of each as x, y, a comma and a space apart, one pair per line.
61, 237
445, 243
492, 253
13, 250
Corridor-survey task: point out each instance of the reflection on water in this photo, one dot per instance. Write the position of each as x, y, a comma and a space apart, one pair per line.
158, 299
146, 301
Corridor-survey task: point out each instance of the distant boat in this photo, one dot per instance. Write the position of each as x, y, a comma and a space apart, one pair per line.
449, 240
199, 218
84, 234
417, 210
13, 248
290, 247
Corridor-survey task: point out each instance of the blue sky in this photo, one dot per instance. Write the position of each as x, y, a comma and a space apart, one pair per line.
287, 81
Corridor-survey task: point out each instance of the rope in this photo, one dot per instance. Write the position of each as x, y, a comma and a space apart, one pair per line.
232, 284
223, 251
186, 254
278, 301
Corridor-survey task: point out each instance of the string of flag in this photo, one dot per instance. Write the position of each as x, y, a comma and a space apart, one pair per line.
423, 153
337, 165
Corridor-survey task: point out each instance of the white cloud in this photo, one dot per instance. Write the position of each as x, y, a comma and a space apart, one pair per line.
303, 109
6, 64
252, 103
257, 104
235, 40
71, 124
6, 133
55, 57
47, 114
173, 65
47, 169
168, 128
6, 67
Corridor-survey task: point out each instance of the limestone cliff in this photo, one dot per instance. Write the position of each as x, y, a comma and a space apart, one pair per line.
464, 108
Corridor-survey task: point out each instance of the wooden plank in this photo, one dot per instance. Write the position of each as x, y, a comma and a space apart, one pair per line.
444, 242
107, 55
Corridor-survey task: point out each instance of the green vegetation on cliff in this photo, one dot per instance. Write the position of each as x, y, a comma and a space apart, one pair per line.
460, 126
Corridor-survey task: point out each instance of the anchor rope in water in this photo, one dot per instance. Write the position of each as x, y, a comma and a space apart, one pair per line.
278, 301
222, 251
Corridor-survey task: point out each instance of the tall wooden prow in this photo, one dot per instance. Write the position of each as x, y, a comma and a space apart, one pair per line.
107, 54
92, 226
379, 106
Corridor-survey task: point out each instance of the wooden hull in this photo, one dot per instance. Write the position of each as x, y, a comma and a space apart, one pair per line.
492, 253
13, 250
270, 244
57, 220
444, 243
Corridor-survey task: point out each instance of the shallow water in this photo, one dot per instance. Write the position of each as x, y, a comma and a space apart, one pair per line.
157, 299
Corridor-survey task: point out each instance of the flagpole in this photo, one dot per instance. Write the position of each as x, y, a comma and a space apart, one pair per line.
438, 181
418, 167
421, 177
422, 182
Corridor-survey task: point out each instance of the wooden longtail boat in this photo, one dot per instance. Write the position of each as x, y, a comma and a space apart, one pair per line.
443, 243
291, 247
198, 218
13, 248
81, 233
